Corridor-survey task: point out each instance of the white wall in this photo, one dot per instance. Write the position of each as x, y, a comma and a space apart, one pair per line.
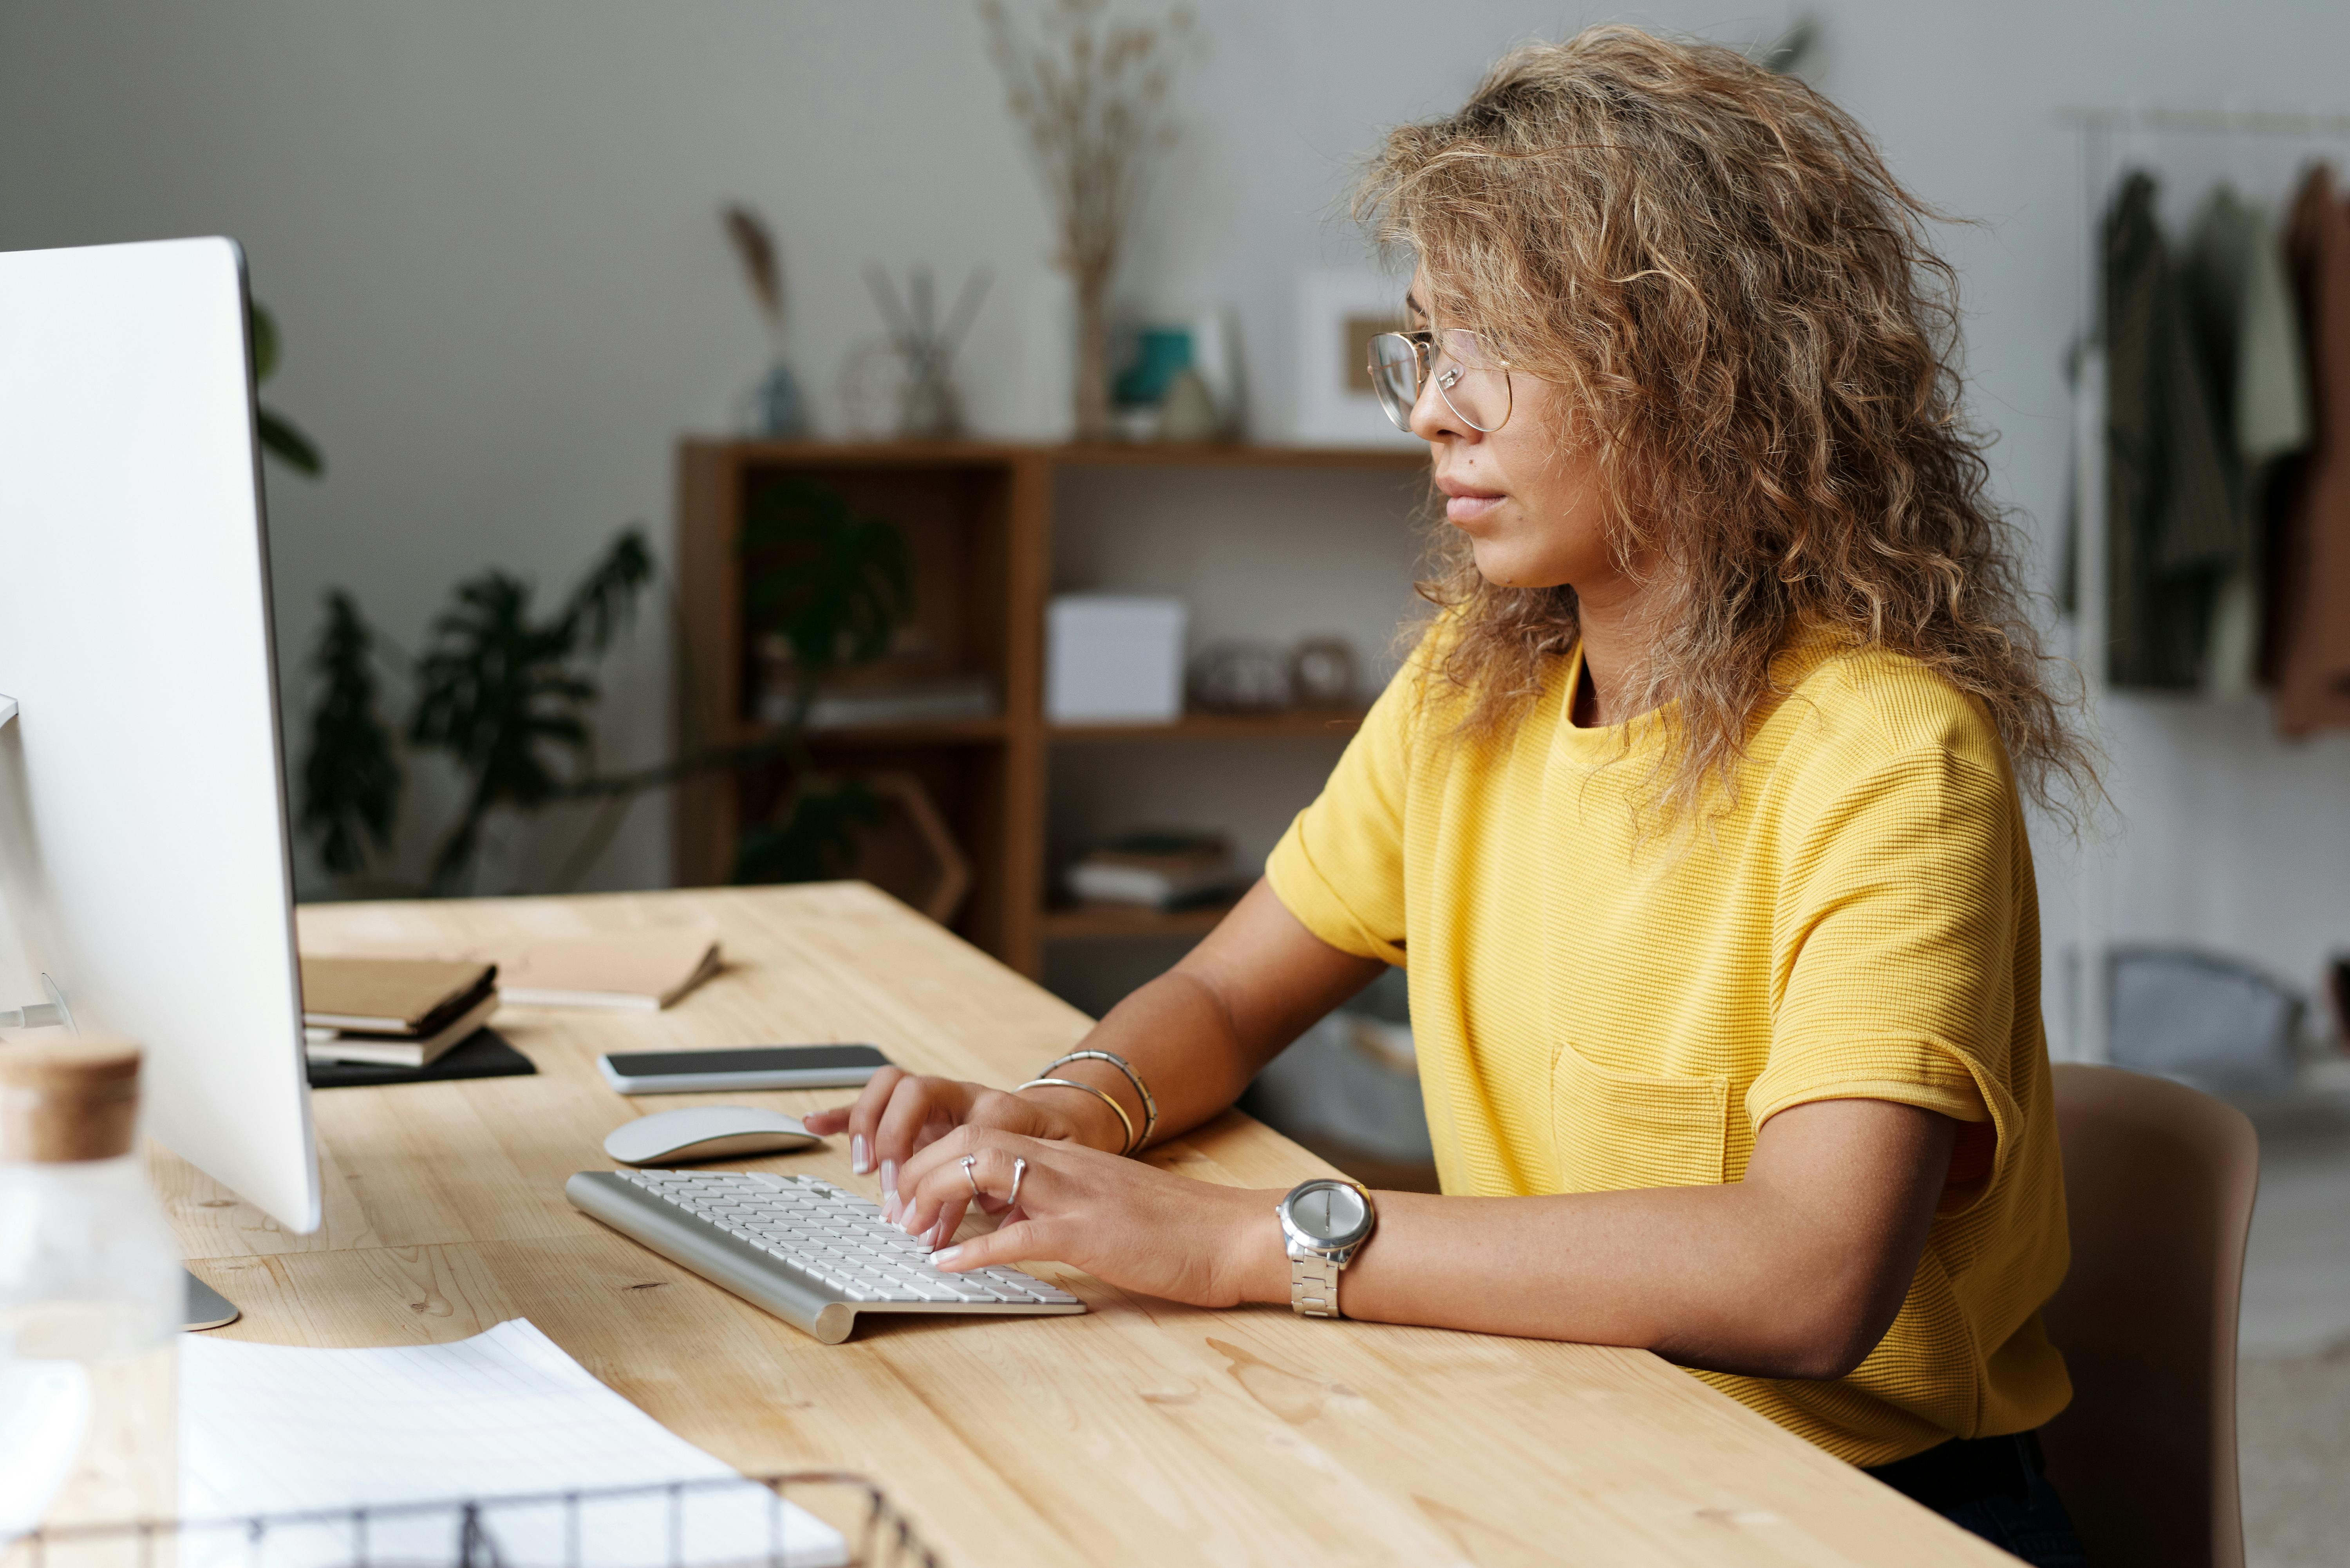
487, 229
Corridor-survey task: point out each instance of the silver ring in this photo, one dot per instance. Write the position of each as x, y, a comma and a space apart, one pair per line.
1019, 1173
968, 1161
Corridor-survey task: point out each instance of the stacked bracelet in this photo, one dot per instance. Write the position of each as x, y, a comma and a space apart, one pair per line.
1141, 1090
1123, 1119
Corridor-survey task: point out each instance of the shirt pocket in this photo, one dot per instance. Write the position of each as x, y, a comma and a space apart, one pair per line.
1614, 1131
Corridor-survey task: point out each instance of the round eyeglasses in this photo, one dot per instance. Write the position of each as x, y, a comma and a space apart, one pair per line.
1474, 385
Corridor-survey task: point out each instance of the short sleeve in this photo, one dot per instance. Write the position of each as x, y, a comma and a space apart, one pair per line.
1339, 869
1894, 951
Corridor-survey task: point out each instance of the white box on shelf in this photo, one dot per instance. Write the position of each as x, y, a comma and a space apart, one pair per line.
1113, 659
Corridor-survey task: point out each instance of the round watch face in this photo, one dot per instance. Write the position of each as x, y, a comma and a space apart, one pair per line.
1330, 1214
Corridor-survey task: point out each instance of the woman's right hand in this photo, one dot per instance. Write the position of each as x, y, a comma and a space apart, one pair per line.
900, 1112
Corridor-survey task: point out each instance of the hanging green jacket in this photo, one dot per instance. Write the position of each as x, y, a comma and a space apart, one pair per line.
2175, 530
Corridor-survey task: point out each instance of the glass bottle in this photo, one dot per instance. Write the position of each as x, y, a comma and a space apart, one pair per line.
91, 1295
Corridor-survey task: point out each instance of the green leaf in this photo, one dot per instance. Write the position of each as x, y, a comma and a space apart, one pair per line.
264, 341
350, 777
279, 438
287, 444
505, 696
833, 583
607, 596
1783, 54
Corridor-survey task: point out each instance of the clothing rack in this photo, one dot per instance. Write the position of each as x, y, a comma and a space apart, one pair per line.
2098, 126
2210, 121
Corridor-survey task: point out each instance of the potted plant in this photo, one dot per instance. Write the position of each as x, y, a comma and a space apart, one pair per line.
1091, 94
509, 696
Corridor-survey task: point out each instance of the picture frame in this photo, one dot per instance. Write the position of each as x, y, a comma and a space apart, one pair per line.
1338, 310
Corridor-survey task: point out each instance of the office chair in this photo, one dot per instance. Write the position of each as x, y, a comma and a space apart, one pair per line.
2158, 1183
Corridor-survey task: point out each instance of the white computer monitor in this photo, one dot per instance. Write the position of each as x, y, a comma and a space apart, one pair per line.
144, 865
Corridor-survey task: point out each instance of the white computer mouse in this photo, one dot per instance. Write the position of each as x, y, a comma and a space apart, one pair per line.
706, 1132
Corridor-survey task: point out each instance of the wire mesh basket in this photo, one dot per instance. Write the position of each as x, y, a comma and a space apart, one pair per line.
811, 1518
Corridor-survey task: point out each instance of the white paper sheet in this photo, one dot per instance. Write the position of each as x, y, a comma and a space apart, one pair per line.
44, 1411
274, 1429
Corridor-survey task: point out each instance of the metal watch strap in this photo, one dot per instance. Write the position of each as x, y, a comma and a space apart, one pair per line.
1313, 1285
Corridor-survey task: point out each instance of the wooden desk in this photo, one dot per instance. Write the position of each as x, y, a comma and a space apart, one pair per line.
1141, 1433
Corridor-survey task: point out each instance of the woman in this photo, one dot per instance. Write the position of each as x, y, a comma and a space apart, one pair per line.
1695, 816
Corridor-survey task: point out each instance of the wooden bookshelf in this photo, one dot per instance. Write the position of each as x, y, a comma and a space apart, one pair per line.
1212, 727
1081, 922
804, 455
919, 732
980, 518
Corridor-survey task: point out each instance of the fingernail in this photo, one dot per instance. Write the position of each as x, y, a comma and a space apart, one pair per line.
861, 1156
938, 1233
889, 1206
946, 1257
889, 1179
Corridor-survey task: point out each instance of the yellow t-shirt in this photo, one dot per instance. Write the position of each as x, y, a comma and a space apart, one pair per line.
1595, 1011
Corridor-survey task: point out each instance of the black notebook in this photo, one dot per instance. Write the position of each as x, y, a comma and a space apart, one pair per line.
485, 1055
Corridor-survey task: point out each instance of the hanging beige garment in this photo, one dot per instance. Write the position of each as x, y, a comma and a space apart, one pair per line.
2313, 598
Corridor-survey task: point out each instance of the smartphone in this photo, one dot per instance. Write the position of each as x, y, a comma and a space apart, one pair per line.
741, 1067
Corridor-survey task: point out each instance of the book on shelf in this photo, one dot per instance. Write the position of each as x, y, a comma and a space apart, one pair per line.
1158, 869
399, 1012
647, 969
911, 702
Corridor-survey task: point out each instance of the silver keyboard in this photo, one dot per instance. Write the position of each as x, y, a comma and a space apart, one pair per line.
802, 1248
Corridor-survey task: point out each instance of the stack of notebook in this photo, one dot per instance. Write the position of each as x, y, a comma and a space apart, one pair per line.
395, 1012
647, 969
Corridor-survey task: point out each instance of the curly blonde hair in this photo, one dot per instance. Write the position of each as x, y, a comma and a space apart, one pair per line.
1760, 347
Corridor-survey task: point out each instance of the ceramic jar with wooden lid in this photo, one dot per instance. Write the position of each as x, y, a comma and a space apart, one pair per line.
91, 1290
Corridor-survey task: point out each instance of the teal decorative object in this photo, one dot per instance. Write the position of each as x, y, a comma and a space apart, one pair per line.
1160, 354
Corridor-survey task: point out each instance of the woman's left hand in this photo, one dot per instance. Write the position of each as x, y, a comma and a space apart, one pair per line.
1126, 1223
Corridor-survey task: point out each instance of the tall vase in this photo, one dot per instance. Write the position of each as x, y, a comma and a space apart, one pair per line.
1094, 420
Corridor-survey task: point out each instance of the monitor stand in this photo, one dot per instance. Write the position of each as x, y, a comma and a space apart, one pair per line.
207, 1308
51, 1015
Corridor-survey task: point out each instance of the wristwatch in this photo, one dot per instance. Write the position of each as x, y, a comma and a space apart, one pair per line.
1325, 1223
